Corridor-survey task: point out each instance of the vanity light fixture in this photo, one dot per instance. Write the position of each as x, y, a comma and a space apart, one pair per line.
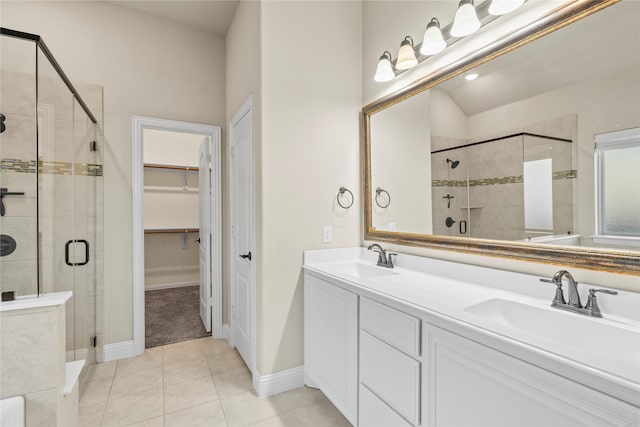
471, 76
500, 7
466, 20
384, 72
406, 55
433, 41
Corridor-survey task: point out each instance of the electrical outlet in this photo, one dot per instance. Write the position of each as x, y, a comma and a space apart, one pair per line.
327, 234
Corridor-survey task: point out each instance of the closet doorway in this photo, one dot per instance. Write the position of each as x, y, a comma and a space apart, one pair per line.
177, 248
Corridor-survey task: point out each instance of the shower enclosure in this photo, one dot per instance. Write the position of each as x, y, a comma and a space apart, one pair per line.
51, 160
514, 187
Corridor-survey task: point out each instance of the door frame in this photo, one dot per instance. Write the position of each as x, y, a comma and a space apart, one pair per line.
141, 123
246, 108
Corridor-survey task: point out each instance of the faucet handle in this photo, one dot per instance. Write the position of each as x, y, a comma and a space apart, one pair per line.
390, 259
592, 292
559, 297
592, 301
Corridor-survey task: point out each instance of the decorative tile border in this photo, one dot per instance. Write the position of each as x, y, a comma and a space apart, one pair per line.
47, 167
567, 174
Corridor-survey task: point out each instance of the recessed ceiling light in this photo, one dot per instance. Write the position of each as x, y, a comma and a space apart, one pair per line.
471, 76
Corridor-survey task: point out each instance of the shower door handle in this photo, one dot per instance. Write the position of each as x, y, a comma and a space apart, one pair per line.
86, 253
463, 230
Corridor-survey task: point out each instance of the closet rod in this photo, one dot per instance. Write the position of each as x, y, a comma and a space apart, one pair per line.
171, 230
182, 168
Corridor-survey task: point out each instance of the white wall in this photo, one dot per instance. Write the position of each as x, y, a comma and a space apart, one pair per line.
311, 96
447, 119
401, 165
123, 51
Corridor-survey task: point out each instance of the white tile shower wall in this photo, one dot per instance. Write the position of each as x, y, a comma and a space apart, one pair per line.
17, 103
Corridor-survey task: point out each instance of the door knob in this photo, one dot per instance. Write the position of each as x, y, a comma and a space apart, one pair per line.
246, 256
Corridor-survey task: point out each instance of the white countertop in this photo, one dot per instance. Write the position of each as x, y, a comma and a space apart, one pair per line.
440, 292
44, 300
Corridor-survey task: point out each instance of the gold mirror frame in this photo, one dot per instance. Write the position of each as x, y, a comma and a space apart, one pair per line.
588, 258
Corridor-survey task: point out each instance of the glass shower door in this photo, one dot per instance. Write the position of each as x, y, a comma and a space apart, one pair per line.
69, 208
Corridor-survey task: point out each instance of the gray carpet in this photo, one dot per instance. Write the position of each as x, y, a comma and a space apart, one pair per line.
172, 315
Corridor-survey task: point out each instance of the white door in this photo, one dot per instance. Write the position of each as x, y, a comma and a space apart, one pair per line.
242, 256
204, 175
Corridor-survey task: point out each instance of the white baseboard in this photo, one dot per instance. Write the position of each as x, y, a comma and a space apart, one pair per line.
81, 353
119, 350
225, 331
267, 385
169, 285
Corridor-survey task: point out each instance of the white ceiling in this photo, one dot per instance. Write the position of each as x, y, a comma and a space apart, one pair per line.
597, 46
211, 16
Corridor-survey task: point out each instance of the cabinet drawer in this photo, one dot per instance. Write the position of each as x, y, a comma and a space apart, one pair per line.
373, 412
392, 375
392, 326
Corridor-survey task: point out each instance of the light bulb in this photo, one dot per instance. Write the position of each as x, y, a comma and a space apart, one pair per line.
406, 55
500, 7
466, 21
384, 71
433, 41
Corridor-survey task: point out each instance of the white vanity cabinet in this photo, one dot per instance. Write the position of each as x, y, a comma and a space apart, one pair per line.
469, 384
389, 364
331, 343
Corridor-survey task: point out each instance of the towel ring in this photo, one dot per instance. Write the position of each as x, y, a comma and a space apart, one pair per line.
378, 192
341, 192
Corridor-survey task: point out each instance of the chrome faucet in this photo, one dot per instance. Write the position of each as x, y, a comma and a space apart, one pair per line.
590, 309
384, 257
574, 296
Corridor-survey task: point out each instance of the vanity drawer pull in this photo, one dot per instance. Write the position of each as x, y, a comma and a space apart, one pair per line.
396, 328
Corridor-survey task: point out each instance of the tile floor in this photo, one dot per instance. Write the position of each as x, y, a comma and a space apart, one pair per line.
202, 382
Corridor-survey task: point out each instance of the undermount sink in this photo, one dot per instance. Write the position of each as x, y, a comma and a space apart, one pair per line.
363, 271
589, 334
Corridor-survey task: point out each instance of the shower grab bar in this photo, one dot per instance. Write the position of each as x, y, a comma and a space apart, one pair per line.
45, 50
86, 252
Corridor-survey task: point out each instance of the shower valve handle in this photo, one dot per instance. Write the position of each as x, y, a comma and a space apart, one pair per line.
5, 192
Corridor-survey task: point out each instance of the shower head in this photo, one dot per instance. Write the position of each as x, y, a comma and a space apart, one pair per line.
454, 163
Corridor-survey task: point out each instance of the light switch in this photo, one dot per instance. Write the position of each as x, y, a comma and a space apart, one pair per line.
327, 234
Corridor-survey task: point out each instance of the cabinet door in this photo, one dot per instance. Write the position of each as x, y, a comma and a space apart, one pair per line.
468, 384
331, 343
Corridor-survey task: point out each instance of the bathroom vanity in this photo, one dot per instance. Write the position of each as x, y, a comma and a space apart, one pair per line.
469, 345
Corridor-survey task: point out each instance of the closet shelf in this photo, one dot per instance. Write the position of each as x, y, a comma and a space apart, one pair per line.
173, 167
158, 188
171, 230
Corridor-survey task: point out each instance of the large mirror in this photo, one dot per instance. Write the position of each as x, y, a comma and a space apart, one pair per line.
506, 164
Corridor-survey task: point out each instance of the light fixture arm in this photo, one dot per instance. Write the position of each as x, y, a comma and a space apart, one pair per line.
433, 23
407, 40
